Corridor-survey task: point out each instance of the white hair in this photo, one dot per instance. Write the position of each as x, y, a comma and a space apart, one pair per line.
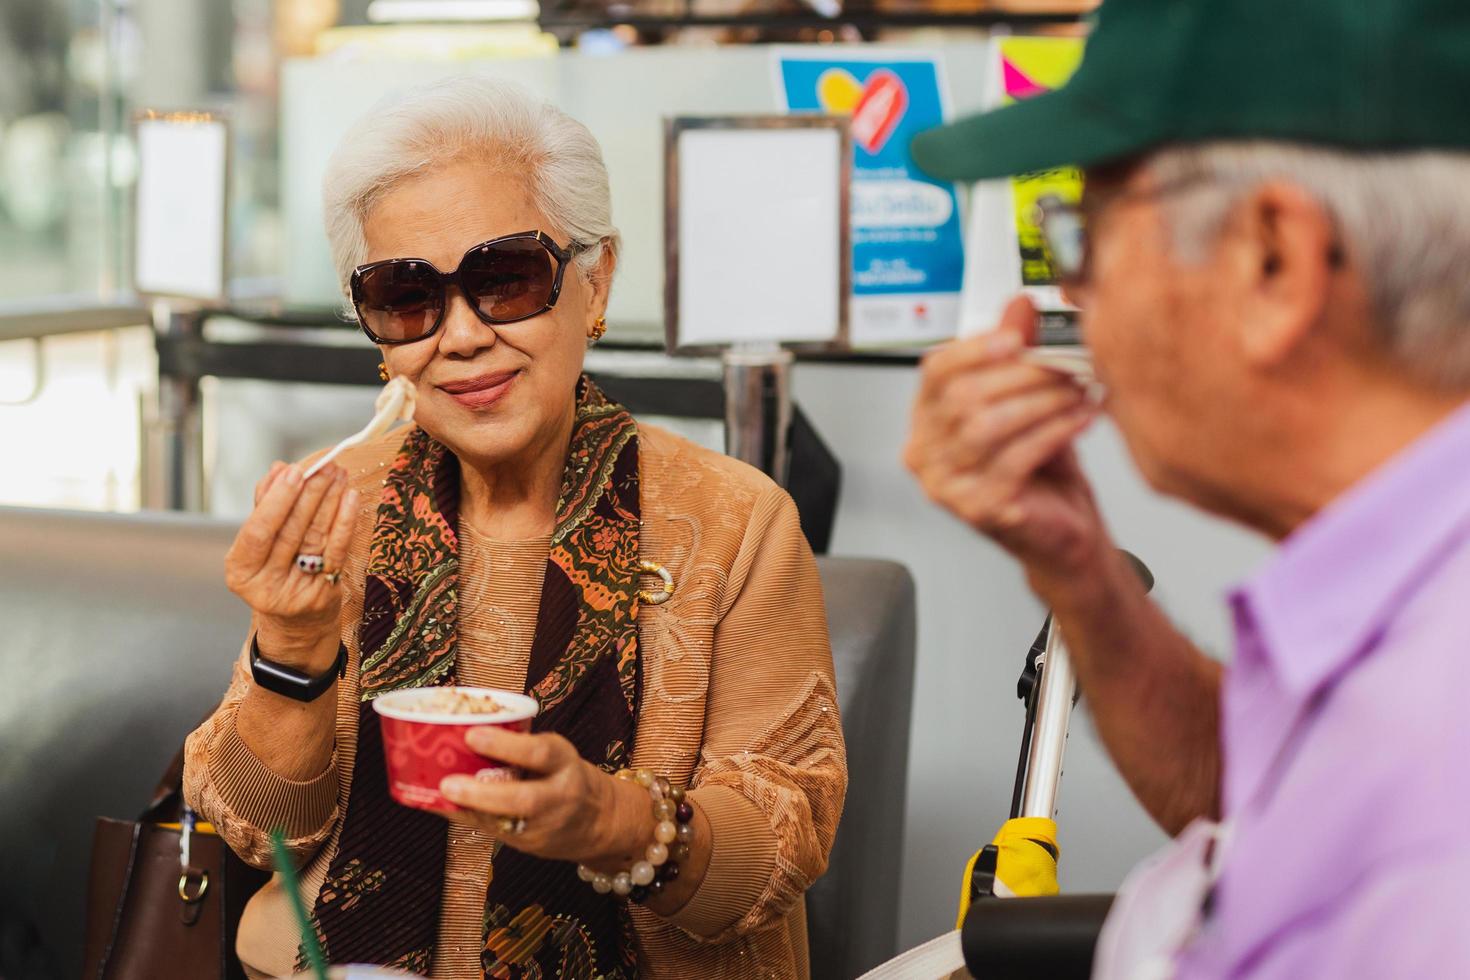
1404, 218
429, 125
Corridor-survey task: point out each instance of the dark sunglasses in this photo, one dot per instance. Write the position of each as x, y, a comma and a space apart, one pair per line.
504, 280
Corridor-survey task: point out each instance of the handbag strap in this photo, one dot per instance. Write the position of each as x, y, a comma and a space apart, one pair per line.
166, 804
122, 903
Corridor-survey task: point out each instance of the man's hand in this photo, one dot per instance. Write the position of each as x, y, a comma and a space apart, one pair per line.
992, 442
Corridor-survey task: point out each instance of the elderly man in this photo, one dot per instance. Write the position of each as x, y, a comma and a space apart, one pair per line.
1274, 280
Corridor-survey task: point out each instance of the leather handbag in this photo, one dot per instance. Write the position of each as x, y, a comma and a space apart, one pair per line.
165, 894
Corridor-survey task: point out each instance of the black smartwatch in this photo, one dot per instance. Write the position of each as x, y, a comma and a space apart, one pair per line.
290, 682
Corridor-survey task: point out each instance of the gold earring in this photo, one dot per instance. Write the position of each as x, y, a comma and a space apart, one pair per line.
598, 329
382, 371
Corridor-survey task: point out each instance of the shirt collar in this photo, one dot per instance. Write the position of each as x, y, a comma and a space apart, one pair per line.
1340, 578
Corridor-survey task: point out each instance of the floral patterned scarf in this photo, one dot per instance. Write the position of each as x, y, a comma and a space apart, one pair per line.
381, 898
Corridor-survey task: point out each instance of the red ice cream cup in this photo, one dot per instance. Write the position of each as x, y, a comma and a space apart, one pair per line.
421, 748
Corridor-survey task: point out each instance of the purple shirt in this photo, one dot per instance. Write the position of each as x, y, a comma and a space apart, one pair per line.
1346, 737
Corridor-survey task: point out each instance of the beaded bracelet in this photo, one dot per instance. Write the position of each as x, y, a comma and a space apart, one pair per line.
672, 832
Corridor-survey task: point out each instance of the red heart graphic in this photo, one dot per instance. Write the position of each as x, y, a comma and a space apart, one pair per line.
883, 103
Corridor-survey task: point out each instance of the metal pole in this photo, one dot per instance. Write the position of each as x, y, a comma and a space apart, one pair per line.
1054, 698
758, 408
1056, 694
176, 480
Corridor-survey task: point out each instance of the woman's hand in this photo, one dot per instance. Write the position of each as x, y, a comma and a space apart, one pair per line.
296, 612
991, 441
573, 811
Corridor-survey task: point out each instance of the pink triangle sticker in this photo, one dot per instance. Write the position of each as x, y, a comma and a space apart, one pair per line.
1018, 84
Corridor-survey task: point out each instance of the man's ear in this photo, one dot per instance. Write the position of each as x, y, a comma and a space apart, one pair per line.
1282, 249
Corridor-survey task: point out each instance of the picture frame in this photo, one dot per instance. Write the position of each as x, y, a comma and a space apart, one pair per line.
181, 206
732, 208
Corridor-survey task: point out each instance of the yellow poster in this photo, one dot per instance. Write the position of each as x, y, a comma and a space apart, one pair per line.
1030, 66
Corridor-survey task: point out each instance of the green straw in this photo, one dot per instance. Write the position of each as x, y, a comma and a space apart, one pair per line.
286, 868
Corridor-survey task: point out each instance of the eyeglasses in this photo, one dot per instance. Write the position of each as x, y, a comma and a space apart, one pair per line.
1064, 229
1063, 226
1064, 237
507, 279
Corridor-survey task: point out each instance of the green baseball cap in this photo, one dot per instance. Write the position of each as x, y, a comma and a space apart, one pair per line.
1358, 74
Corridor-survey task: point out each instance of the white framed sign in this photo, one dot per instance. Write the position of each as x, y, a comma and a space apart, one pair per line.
180, 213
756, 232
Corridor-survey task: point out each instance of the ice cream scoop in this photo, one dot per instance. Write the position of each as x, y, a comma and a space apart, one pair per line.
395, 403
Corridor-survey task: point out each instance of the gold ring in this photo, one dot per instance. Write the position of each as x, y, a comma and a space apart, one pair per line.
654, 568
509, 826
184, 887
332, 577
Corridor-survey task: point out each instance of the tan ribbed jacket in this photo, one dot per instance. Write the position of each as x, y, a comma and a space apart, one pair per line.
738, 701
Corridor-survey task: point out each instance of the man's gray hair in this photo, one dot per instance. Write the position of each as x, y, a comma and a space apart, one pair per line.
1404, 219
429, 125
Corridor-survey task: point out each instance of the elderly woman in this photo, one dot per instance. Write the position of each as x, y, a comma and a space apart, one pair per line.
515, 537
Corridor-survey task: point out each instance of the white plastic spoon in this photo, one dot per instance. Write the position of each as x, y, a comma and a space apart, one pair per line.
395, 402
1075, 364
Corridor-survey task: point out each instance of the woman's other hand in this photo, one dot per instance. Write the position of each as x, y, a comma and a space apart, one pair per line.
573, 811
296, 612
